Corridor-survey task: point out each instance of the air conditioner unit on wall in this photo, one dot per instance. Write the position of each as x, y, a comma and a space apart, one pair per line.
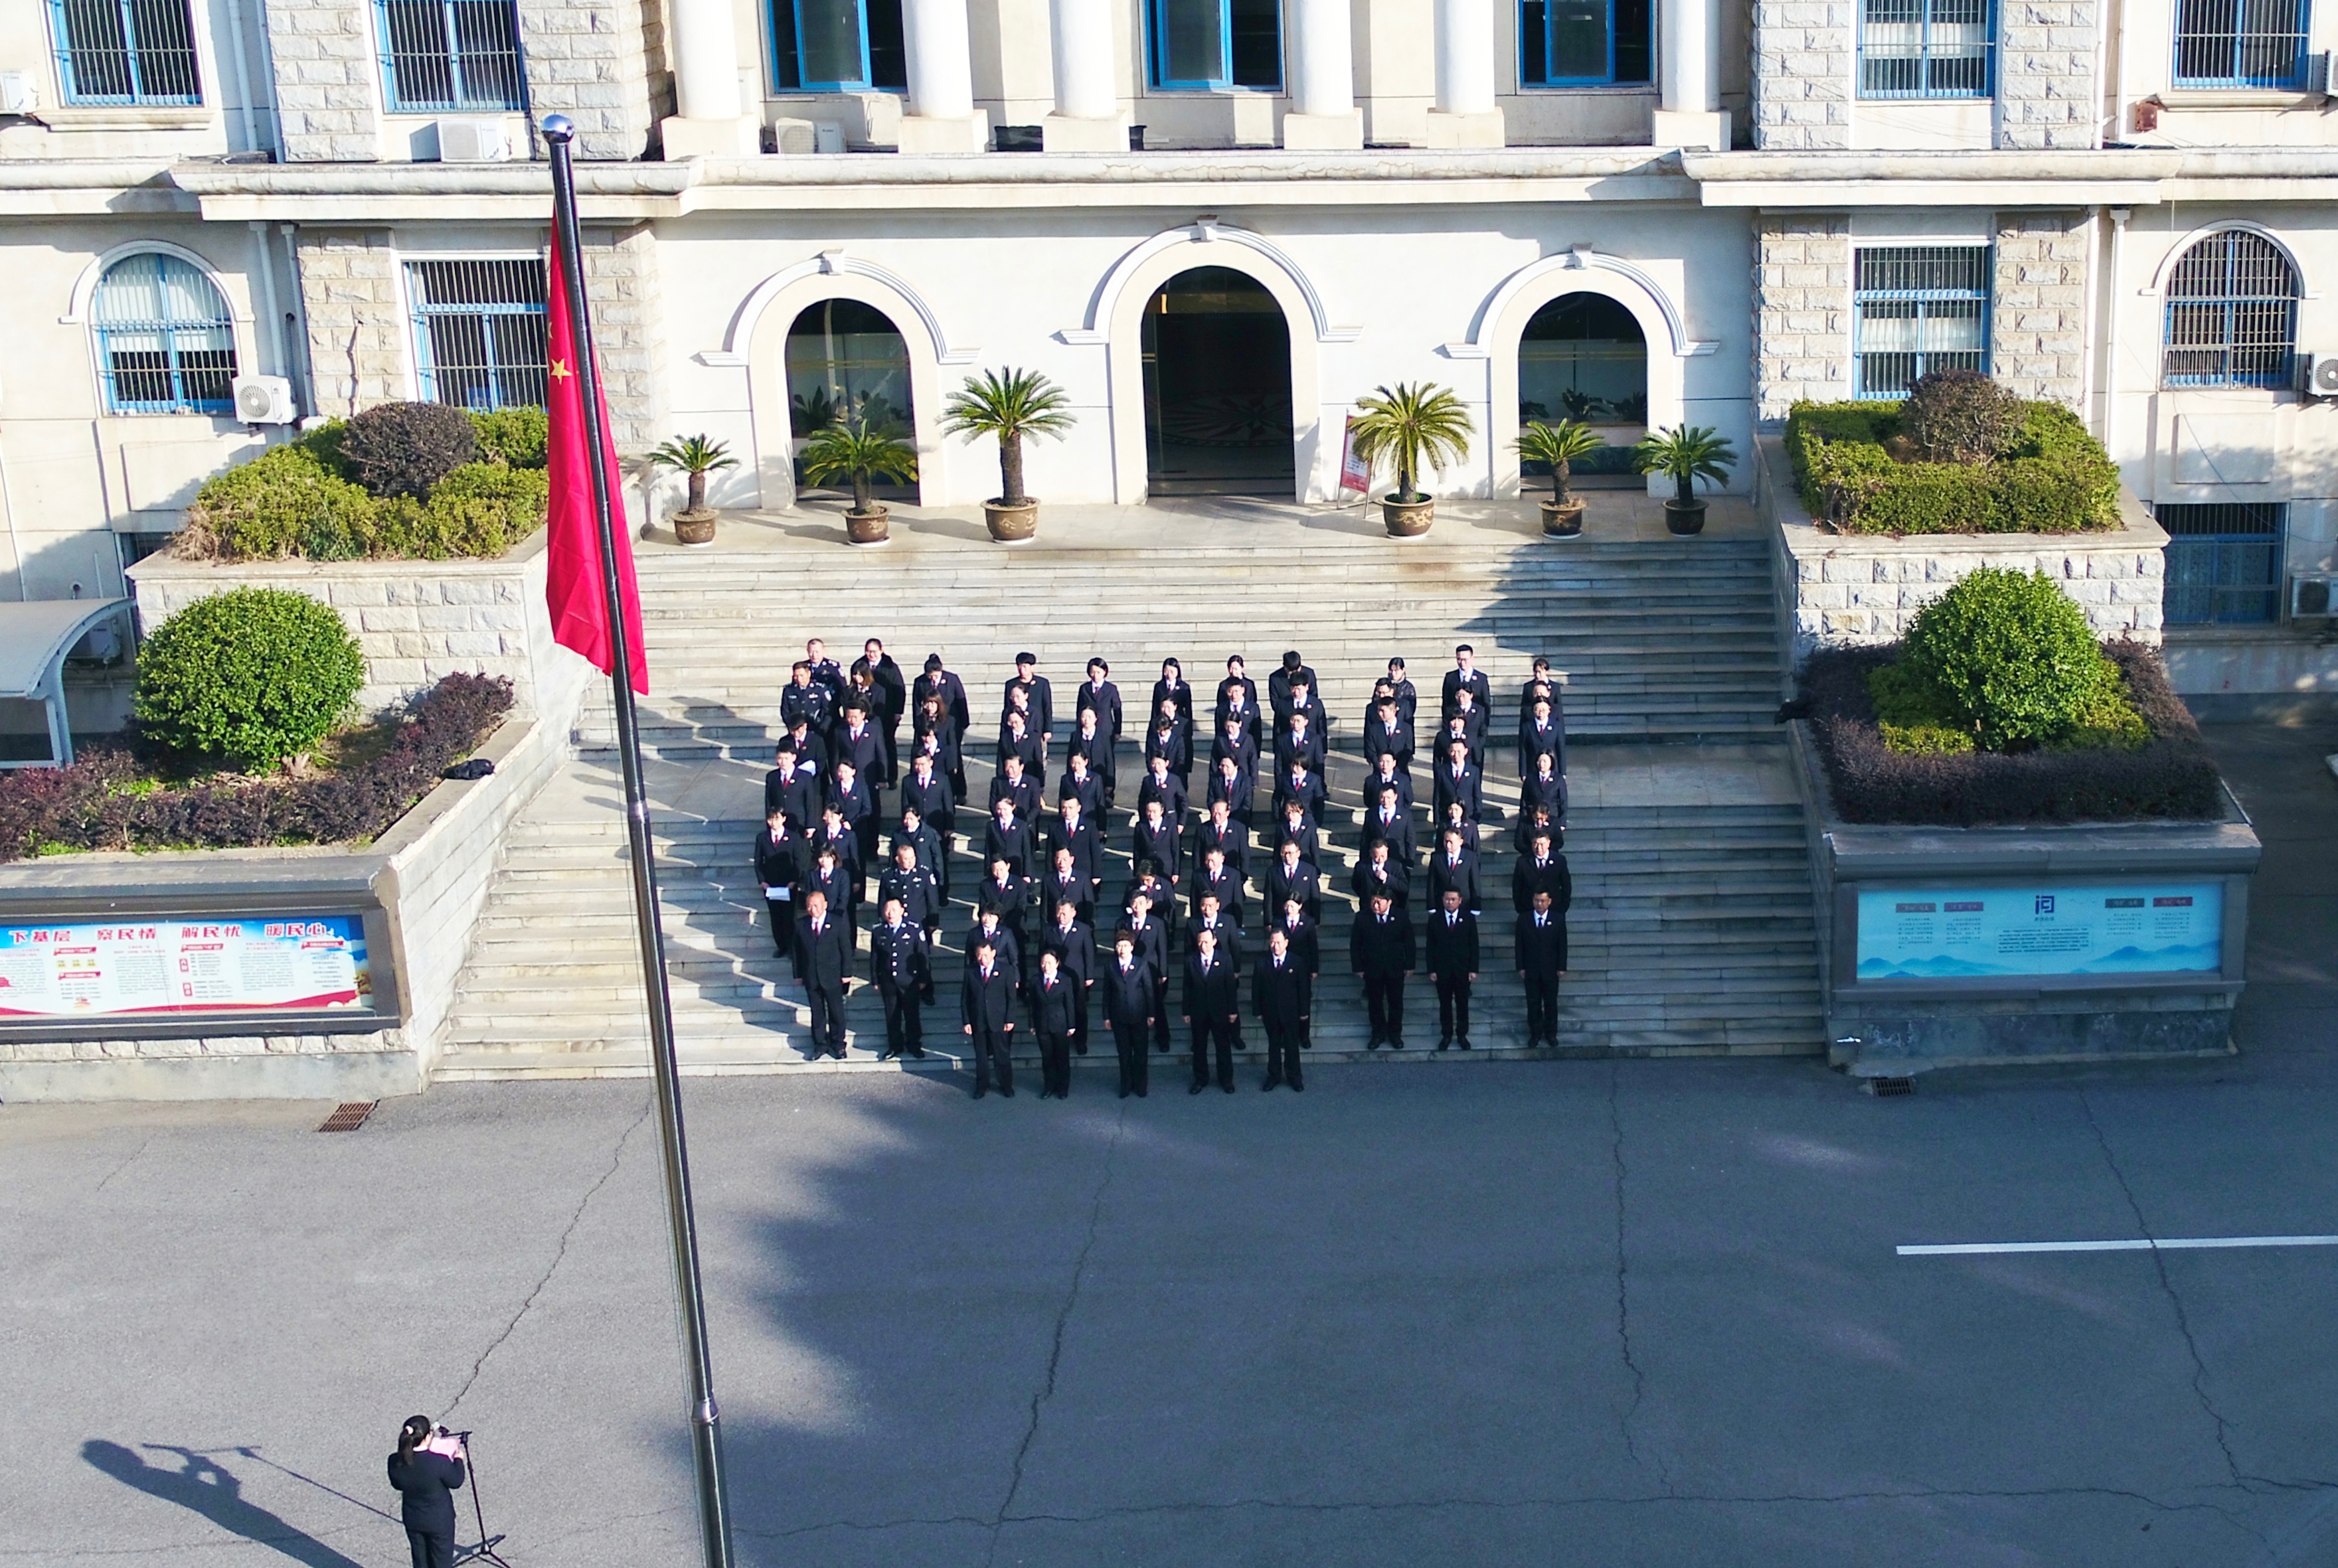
474, 141
2321, 375
264, 400
2311, 599
20, 92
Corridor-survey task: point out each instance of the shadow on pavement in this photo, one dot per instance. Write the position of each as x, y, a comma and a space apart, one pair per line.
202, 1485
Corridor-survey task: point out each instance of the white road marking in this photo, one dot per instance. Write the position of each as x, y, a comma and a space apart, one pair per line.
2165, 1244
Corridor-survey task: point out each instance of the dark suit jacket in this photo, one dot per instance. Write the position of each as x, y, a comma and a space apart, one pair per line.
1226, 885
838, 886
1398, 833
1242, 746
987, 1003
895, 691
1444, 874
952, 691
1216, 993
786, 791
1024, 791
1532, 741
1381, 948
1087, 851
1407, 698
810, 746
1288, 746
1171, 742
1075, 950
1527, 880
1278, 687
1534, 792
1306, 943
1230, 942
1303, 882
1152, 946
1017, 843
1279, 996
1233, 843
1008, 946
1477, 682
1011, 903
1032, 746
1238, 794
1543, 952
827, 952
1169, 790
1106, 704
1127, 997
1397, 883
935, 803
426, 1484
1183, 696
948, 744
1309, 796
1055, 1010
1470, 789
1079, 889
1165, 844
865, 751
1250, 699
1089, 792
1397, 742
1452, 947
921, 896
775, 862
858, 804
1043, 703
928, 844
897, 958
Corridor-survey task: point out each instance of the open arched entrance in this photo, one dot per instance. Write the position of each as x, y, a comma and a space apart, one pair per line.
1583, 356
845, 359
1217, 351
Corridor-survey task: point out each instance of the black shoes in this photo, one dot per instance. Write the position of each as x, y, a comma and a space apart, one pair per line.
1446, 1043
1465, 1042
980, 1089
1271, 1084
1195, 1088
1395, 1045
1228, 1087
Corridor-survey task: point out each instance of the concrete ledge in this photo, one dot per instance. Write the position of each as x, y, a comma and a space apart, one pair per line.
1324, 132
332, 1076
1058, 133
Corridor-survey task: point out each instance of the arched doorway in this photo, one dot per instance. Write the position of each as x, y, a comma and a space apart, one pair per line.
846, 360
1583, 356
1217, 388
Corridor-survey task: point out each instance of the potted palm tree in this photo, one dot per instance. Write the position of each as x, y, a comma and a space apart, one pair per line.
697, 456
1414, 425
1010, 404
854, 450
1559, 445
1684, 455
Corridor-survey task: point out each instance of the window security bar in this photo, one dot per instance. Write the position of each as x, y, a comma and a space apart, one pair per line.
165, 343
2232, 314
451, 56
126, 52
1924, 49
479, 332
2241, 43
1915, 310
2223, 561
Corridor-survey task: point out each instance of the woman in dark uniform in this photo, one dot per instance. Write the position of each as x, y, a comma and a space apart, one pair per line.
427, 1470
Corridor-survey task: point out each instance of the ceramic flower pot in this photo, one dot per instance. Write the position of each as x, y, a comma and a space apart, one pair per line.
695, 528
1408, 519
1011, 524
874, 527
1563, 519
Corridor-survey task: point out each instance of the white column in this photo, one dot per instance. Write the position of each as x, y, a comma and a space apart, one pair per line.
1689, 72
1088, 117
1466, 115
941, 117
708, 118
1322, 85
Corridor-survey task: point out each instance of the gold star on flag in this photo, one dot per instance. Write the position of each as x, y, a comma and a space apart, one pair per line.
560, 370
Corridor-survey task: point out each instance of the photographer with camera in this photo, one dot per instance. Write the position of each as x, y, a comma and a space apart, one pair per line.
427, 1470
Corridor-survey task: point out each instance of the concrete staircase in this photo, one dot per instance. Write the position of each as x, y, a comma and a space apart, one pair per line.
1691, 930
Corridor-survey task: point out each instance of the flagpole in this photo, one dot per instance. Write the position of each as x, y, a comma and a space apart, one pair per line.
705, 1434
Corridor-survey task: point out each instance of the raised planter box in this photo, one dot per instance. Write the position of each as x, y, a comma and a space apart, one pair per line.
2036, 943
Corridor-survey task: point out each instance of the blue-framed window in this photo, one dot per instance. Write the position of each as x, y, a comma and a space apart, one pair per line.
450, 57
165, 342
1585, 43
2241, 43
2232, 314
1214, 45
2224, 563
126, 51
838, 46
480, 331
1924, 48
1915, 310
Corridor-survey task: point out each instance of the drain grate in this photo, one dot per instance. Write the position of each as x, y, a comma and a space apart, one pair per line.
1882, 1088
348, 1116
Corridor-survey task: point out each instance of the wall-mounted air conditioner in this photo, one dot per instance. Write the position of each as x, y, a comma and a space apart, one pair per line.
474, 141
264, 400
20, 92
2311, 598
2321, 379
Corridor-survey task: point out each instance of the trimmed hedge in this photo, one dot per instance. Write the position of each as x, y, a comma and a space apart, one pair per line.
2052, 478
2170, 776
251, 676
302, 500
101, 802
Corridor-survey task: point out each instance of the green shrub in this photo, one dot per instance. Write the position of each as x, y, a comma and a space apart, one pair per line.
1959, 417
2109, 721
2009, 656
2049, 477
405, 448
1911, 715
513, 436
284, 502
254, 676
481, 509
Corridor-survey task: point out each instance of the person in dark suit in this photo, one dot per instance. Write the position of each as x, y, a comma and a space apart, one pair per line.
1083, 783
809, 745
911, 886
1454, 869
1238, 695
1173, 688
939, 682
986, 1005
1235, 739
1009, 836
1091, 741
1013, 783
1231, 784
1544, 787
832, 876
1302, 698
427, 1471
850, 797
897, 966
1160, 783
1072, 830
1389, 822
1542, 733
1280, 995
1169, 744
1007, 893
894, 693
1291, 877
1380, 950
1100, 696
775, 869
1466, 722
1212, 919
1011, 956
1213, 1008
1300, 782
1541, 869
1220, 831
1151, 935
1128, 1009
1056, 1019
1457, 821
1073, 942
1382, 873
1453, 964
935, 734
1294, 825
1464, 672
1063, 884
793, 789
1407, 697
827, 943
1278, 681
927, 792
859, 739
1155, 838
1042, 696
1388, 734
1302, 932
1542, 965
1299, 741
1458, 779
1213, 879
1018, 738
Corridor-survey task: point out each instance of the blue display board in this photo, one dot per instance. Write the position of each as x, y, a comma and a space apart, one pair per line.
159, 965
2069, 928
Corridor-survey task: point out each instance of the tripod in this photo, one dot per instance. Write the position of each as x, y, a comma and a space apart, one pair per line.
484, 1552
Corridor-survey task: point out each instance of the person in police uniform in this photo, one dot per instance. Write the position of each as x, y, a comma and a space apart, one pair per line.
897, 966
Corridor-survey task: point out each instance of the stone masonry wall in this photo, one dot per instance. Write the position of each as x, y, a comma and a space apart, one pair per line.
601, 63
621, 270
1802, 311
356, 333
2038, 306
2046, 93
1802, 74
325, 59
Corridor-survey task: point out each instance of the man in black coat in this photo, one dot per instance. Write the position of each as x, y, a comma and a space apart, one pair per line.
939, 682
1238, 695
1231, 783
1213, 879
776, 847
1073, 942
1063, 884
849, 795
1056, 1019
1211, 919
804, 701
1043, 696
1013, 782
1083, 783
1389, 822
1296, 781
1541, 869
985, 1004
895, 692
1380, 950
1150, 932
1542, 733
934, 800
1542, 965
1387, 734
1298, 740
1220, 832
911, 886
1280, 992
898, 966
826, 942
1292, 671
1464, 672
859, 740
1291, 877
1073, 830
1213, 1007
1007, 893
1009, 836
1458, 779
1453, 964
1155, 839
792, 788
1454, 869
1127, 987
1381, 873
1300, 930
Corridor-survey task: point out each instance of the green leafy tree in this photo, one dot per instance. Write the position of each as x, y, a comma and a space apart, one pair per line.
1010, 404
253, 676
852, 449
697, 456
1568, 441
1684, 455
1413, 427
2010, 656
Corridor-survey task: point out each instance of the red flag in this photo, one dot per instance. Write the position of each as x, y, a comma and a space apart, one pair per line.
573, 588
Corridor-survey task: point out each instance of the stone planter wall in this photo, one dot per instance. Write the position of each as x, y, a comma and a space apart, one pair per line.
1855, 589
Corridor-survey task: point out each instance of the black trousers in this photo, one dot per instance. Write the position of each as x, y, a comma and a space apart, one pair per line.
993, 1048
1282, 1053
431, 1548
1160, 1015
781, 913
1054, 1061
1080, 1041
1452, 1006
1132, 1042
1384, 999
905, 1025
1207, 1031
1542, 1007
827, 1019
